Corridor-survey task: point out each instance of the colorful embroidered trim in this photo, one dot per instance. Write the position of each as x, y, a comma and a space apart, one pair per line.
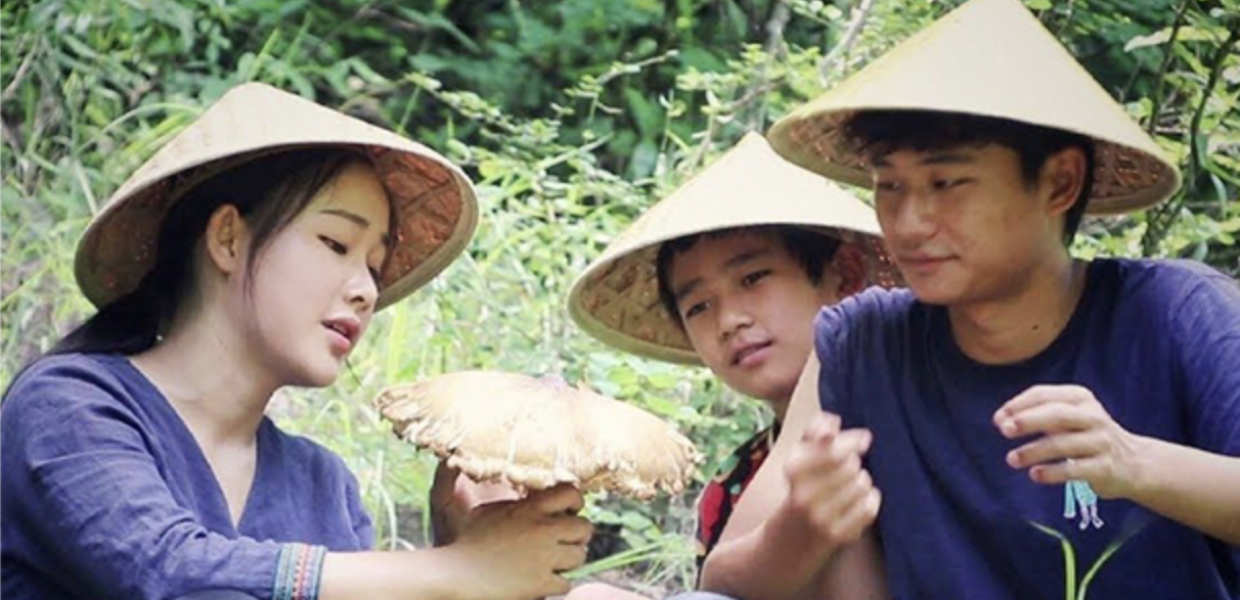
298, 571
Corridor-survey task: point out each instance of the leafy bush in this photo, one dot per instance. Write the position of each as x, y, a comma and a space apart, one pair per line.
572, 117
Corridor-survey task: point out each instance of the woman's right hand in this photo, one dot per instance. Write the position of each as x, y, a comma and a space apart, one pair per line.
520, 548
453, 499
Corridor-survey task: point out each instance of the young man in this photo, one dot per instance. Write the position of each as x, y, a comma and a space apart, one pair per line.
1013, 397
728, 272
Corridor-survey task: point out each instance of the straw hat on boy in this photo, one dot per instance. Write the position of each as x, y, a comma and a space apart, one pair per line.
991, 58
616, 298
434, 202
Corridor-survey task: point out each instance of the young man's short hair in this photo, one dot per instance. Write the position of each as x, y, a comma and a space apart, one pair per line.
812, 250
880, 132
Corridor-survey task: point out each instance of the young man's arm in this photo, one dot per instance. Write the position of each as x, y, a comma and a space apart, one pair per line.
1196, 485
1079, 440
802, 519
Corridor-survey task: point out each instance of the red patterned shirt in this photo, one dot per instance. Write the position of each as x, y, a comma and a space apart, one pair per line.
724, 491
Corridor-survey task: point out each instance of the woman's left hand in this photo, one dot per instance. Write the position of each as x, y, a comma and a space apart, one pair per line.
1080, 440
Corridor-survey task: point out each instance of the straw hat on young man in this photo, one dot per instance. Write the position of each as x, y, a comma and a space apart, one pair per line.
434, 202
616, 298
990, 58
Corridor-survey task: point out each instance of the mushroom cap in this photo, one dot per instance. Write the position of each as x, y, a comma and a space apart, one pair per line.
535, 433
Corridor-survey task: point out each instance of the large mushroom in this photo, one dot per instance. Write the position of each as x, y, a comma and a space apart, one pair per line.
535, 433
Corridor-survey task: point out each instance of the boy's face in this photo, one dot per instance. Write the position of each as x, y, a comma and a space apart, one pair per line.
748, 307
962, 224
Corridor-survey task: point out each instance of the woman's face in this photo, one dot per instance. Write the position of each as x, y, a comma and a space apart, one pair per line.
314, 285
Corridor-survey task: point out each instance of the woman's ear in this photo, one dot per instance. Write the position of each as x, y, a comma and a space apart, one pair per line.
226, 239
1064, 173
850, 263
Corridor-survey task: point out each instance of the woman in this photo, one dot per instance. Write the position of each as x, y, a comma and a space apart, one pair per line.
248, 254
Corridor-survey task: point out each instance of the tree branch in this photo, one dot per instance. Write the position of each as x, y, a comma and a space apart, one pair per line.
1168, 56
846, 44
1194, 129
1161, 218
775, 27
774, 47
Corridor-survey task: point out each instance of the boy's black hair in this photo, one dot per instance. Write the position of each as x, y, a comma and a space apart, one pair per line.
812, 250
880, 132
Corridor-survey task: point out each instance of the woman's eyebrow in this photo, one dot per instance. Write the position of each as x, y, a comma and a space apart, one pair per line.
356, 219
352, 217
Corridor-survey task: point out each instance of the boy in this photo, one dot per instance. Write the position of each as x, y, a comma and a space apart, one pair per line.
728, 272
1025, 397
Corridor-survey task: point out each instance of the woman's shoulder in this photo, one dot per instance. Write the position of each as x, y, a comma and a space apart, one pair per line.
75, 364
54, 381
61, 400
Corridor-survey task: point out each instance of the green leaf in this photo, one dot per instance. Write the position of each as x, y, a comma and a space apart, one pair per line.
1069, 560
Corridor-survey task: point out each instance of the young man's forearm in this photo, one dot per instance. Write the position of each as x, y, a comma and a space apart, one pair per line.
1194, 487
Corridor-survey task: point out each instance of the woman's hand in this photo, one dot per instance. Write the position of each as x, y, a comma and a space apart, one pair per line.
520, 548
453, 499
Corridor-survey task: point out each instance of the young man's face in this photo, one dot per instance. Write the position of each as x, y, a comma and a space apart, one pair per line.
962, 224
748, 307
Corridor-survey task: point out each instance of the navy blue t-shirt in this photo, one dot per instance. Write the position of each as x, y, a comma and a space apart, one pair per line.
1157, 342
106, 494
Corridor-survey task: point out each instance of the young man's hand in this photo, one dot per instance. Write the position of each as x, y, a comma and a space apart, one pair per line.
1079, 440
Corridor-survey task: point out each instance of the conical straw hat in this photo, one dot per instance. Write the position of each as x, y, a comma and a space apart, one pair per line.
616, 298
536, 433
435, 203
989, 58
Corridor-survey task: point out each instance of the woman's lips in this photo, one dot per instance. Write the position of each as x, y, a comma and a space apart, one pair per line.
344, 333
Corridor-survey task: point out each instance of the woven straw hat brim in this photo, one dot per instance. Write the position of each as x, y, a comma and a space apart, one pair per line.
616, 298
435, 203
990, 58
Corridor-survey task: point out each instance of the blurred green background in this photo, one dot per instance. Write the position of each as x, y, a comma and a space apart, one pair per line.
572, 117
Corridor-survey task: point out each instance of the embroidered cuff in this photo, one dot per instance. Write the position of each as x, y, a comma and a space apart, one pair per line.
298, 572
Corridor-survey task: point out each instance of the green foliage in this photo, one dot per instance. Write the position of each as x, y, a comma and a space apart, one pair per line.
572, 117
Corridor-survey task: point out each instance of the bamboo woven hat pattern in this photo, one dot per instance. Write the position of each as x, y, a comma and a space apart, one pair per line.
990, 58
435, 204
616, 298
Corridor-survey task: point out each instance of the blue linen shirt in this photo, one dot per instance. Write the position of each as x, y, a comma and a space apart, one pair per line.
1157, 342
106, 494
